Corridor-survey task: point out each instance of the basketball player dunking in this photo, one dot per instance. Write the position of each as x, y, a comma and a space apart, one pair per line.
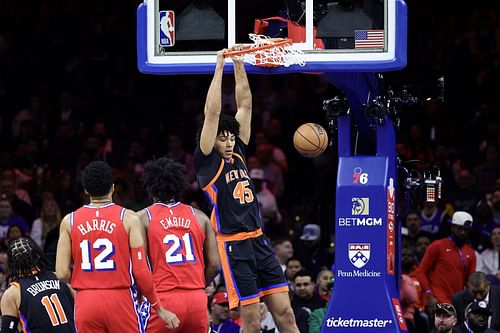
182, 249
250, 268
105, 243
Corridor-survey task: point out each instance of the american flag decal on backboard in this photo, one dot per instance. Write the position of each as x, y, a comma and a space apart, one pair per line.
369, 39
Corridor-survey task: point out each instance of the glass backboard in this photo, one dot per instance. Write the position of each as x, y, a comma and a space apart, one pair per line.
182, 36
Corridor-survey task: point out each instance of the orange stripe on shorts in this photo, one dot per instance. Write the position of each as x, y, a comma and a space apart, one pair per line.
226, 270
273, 291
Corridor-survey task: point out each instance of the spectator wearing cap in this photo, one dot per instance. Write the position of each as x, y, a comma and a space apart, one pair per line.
445, 318
479, 289
271, 215
310, 252
220, 316
447, 263
476, 318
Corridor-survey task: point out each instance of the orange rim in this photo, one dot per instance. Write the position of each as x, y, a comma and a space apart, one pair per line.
250, 49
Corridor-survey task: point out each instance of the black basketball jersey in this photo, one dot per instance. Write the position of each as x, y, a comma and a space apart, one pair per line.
229, 189
46, 304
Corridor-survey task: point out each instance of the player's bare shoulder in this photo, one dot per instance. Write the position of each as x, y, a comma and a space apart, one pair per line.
130, 219
143, 217
65, 223
201, 217
11, 299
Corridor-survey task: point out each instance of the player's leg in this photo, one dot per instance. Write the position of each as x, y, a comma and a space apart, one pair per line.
250, 314
281, 309
240, 275
273, 287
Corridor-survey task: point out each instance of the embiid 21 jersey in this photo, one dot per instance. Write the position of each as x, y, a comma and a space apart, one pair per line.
175, 240
100, 248
230, 190
46, 304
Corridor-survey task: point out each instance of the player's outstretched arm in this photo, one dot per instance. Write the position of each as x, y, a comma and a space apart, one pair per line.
9, 306
210, 253
140, 269
63, 257
243, 100
213, 108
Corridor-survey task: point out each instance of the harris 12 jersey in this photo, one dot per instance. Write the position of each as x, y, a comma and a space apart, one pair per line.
100, 248
230, 191
175, 239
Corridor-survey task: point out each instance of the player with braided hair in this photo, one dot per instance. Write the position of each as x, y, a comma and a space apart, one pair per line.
35, 298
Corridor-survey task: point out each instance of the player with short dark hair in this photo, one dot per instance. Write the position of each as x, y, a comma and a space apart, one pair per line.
251, 270
182, 248
97, 178
106, 245
36, 297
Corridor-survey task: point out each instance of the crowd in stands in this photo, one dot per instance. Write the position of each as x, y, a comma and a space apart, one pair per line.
70, 93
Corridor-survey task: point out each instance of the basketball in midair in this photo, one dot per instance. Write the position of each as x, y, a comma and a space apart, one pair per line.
310, 140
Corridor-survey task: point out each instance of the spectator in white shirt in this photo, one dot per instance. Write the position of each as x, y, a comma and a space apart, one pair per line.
488, 261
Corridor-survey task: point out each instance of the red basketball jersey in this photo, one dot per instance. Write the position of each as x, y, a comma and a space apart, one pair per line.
175, 239
100, 248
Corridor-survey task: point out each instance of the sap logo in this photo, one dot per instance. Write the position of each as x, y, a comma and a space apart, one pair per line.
360, 206
359, 254
358, 274
339, 322
360, 222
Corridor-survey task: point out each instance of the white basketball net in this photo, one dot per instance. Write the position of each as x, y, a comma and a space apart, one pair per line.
279, 55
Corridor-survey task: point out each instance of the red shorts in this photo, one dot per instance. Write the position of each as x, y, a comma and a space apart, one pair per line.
111, 310
191, 308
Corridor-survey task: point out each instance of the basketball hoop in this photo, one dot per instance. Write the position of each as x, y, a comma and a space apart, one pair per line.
269, 52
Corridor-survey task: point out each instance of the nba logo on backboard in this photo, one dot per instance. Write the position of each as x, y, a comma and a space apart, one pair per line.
167, 28
359, 254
